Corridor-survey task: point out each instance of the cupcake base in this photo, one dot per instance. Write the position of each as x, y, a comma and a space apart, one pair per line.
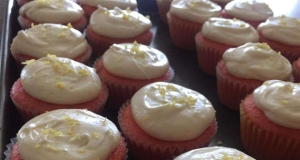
22, 2
296, 71
88, 10
252, 23
163, 9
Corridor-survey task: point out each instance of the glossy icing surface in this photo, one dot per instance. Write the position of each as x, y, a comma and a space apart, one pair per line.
111, 4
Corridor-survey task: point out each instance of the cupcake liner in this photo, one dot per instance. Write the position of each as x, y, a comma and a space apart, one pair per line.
183, 32
252, 23
88, 10
163, 8
30, 107
143, 146
9, 148
296, 71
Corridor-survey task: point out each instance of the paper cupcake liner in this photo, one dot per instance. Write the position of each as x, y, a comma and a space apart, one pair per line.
9, 148
143, 146
163, 8
296, 71
183, 32
252, 23
88, 10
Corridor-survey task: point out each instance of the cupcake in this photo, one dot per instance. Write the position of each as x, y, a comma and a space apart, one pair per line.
282, 34
164, 120
52, 11
40, 40
22, 2
89, 6
251, 11
296, 71
222, 3
69, 134
217, 153
52, 83
186, 18
127, 67
247, 67
218, 35
117, 26
163, 9
270, 121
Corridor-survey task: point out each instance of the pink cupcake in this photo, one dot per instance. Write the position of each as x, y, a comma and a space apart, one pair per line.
52, 83
163, 9
218, 35
40, 40
52, 11
127, 67
164, 120
296, 71
251, 11
117, 26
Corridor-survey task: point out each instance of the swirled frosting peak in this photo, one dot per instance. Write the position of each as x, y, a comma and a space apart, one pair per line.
257, 61
281, 29
111, 4
68, 134
214, 153
43, 39
119, 23
52, 11
279, 101
171, 112
195, 10
229, 31
60, 80
252, 10
135, 61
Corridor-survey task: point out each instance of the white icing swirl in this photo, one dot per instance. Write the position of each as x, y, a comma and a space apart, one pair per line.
171, 112
195, 10
281, 29
60, 81
68, 134
52, 11
43, 39
214, 153
135, 61
252, 10
279, 101
229, 31
111, 4
119, 23
257, 61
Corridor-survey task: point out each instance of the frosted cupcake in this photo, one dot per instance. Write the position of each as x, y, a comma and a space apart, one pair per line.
117, 26
247, 67
270, 121
40, 40
53, 83
186, 18
218, 35
251, 11
164, 120
52, 11
125, 68
69, 134
282, 34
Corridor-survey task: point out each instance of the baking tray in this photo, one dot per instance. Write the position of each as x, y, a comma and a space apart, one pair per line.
187, 73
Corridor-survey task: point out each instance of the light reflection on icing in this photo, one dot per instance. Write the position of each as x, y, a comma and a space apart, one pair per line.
111, 4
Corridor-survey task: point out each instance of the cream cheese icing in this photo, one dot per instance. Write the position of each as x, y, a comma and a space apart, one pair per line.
229, 31
60, 80
279, 101
68, 134
195, 10
43, 39
252, 10
52, 11
119, 23
162, 109
135, 61
281, 29
111, 4
214, 153
257, 61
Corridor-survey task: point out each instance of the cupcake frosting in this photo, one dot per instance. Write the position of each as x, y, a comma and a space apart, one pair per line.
171, 112
110, 4
54, 11
195, 10
119, 23
257, 61
67, 135
281, 29
43, 39
60, 80
252, 10
214, 153
135, 61
229, 31
279, 101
